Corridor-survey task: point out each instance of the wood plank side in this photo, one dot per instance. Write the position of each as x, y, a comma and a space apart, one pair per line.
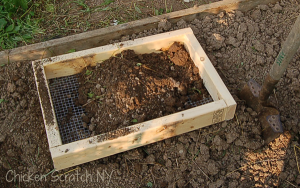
50, 121
212, 80
102, 36
145, 133
195, 56
70, 64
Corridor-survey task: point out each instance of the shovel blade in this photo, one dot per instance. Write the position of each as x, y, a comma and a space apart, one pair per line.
271, 124
250, 93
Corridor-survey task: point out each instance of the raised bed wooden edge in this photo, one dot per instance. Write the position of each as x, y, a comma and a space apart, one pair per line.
102, 36
67, 155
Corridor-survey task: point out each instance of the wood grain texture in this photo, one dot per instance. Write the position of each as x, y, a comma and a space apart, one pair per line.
145, 133
48, 112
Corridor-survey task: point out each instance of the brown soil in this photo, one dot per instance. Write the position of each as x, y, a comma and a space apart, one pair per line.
228, 154
74, 18
132, 88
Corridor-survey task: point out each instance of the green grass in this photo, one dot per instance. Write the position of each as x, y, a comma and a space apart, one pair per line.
24, 22
17, 24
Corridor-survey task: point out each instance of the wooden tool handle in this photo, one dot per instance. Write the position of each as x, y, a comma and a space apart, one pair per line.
283, 59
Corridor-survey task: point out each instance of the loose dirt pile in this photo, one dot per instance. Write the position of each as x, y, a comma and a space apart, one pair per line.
133, 88
228, 154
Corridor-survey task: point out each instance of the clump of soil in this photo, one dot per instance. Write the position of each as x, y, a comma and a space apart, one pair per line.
131, 88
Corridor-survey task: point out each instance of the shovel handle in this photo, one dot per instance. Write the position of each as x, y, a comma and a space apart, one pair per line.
283, 59
287, 52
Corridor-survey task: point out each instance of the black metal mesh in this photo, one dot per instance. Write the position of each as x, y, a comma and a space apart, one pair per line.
64, 91
199, 103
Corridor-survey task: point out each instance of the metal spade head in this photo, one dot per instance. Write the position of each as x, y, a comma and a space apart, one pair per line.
250, 93
270, 120
268, 116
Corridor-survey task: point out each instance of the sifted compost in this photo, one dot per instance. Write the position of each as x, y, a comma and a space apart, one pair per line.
130, 88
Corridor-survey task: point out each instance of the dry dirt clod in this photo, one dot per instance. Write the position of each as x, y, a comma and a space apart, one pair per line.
2, 138
10, 153
277, 8
91, 127
11, 87
165, 25
216, 41
84, 124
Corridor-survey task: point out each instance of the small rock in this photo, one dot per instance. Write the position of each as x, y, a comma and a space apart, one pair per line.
224, 124
239, 13
269, 50
6, 165
164, 25
277, 8
195, 29
216, 41
232, 41
11, 87
98, 86
150, 159
231, 136
15, 77
216, 184
182, 89
133, 155
23, 103
181, 24
243, 28
172, 68
256, 15
84, 124
292, 73
263, 7
168, 163
93, 134
10, 153
2, 138
212, 167
253, 113
181, 150
260, 60
91, 127
217, 140
249, 110
170, 101
259, 46
233, 184
102, 90
85, 118
221, 15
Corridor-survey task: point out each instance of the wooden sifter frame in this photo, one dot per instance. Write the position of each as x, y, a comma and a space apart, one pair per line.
66, 155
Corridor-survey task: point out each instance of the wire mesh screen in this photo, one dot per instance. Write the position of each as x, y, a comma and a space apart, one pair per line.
64, 92
199, 103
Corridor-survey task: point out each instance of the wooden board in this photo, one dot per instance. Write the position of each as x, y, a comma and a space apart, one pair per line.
67, 155
102, 36
143, 133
